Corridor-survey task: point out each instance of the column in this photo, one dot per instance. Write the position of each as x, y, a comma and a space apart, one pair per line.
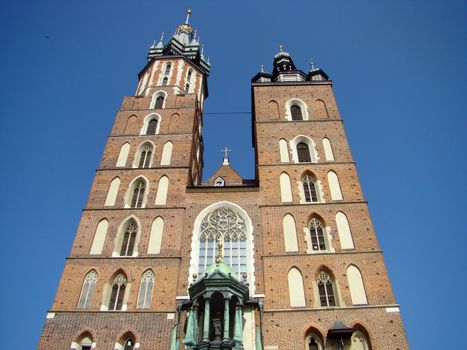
238, 330
195, 323
226, 318
207, 312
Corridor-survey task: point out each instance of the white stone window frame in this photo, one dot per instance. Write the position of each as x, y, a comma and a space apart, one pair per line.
119, 237
327, 238
77, 346
163, 75
157, 94
108, 292
129, 192
147, 276
192, 81
296, 102
146, 122
317, 337
91, 278
336, 288
219, 181
139, 151
318, 187
311, 148
194, 255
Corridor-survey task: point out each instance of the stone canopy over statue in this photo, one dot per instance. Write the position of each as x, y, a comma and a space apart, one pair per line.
215, 319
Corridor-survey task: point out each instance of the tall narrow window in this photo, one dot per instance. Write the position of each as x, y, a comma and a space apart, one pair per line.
296, 112
165, 81
112, 193
296, 291
356, 286
166, 157
145, 157
309, 189
118, 293
290, 233
129, 238
188, 81
343, 229
167, 69
123, 155
155, 238
138, 194
284, 151
326, 290
159, 102
87, 290
286, 189
328, 149
334, 186
162, 190
303, 153
152, 127
317, 235
145, 290
99, 237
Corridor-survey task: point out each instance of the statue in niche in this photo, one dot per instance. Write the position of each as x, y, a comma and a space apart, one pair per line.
217, 326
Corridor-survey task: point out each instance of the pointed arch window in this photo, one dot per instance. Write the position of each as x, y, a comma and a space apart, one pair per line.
326, 290
129, 344
87, 290
226, 224
303, 153
165, 81
310, 189
296, 112
145, 290
152, 127
317, 235
145, 157
129, 238
159, 102
118, 293
138, 194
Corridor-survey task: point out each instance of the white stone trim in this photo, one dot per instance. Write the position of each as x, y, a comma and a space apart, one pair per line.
129, 192
155, 95
297, 102
311, 148
146, 122
119, 236
139, 150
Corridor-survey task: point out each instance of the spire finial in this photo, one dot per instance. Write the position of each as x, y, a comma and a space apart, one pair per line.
312, 64
281, 47
188, 13
262, 68
196, 34
226, 155
162, 36
202, 49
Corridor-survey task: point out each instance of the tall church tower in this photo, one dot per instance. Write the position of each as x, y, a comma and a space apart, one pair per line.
161, 260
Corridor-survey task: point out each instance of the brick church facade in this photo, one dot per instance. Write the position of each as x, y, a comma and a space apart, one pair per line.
288, 260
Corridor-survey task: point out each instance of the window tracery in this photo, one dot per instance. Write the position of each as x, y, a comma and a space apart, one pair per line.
145, 290
118, 293
223, 224
326, 290
138, 194
309, 189
317, 235
129, 238
145, 157
87, 290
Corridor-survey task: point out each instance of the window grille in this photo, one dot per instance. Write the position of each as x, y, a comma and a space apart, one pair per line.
88, 289
145, 157
145, 290
118, 292
317, 235
309, 189
128, 242
223, 224
138, 194
326, 290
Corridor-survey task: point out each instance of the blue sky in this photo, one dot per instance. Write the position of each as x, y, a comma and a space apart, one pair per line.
399, 77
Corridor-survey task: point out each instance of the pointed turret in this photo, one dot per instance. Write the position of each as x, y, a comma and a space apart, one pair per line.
184, 42
316, 73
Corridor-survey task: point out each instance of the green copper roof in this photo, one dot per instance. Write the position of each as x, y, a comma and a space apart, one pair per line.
219, 266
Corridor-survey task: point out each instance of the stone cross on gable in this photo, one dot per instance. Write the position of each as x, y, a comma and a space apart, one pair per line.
226, 155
